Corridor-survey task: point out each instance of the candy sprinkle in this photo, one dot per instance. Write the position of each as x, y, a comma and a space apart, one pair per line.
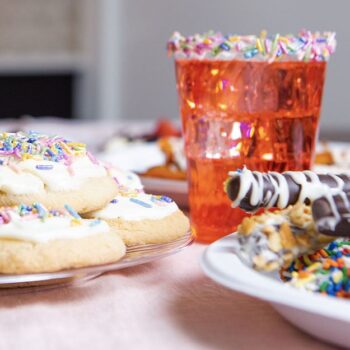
306, 46
33, 145
161, 200
44, 167
327, 271
71, 211
37, 212
42, 212
166, 199
139, 202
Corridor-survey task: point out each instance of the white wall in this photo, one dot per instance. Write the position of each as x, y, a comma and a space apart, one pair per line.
147, 82
133, 77
39, 26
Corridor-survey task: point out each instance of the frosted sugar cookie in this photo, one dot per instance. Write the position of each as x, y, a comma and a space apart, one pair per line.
52, 171
34, 239
142, 218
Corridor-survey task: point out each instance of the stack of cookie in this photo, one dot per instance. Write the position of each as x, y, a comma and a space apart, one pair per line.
60, 208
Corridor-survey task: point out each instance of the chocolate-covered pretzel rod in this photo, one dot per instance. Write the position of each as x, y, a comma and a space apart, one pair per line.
270, 241
331, 214
251, 190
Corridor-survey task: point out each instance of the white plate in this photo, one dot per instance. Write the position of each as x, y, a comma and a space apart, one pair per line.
324, 317
135, 255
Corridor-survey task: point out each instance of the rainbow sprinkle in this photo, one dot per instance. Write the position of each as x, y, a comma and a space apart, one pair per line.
72, 212
125, 191
161, 200
140, 202
306, 46
37, 211
326, 271
44, 167
33, 145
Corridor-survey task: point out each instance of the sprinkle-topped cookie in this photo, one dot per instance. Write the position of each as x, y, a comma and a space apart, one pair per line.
133, 205
53, 171
142, 218
306, 46
35, 239
38, 224
326, 271
33, 145
35, 211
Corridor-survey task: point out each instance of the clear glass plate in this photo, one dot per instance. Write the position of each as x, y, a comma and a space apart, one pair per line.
135, 255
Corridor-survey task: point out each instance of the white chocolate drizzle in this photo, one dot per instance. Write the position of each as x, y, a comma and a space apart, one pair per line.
310, 188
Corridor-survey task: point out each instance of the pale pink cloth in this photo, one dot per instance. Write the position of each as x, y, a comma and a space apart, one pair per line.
168, 304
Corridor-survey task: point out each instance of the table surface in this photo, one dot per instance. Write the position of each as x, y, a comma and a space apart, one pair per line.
167, 304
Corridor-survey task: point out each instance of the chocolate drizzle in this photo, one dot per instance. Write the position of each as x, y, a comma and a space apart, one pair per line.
331, 215
253, 190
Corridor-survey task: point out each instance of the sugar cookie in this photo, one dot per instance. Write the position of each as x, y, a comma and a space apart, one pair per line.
34, 239
52, 171
142, 218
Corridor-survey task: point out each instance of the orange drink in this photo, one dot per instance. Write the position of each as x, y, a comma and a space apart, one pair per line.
262, 114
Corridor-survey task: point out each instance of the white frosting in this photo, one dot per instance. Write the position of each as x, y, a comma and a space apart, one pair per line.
126, 178
19, 182
124, 208
52, 228
24, 176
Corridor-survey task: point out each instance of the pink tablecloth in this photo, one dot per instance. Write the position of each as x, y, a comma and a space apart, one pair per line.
168, 304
